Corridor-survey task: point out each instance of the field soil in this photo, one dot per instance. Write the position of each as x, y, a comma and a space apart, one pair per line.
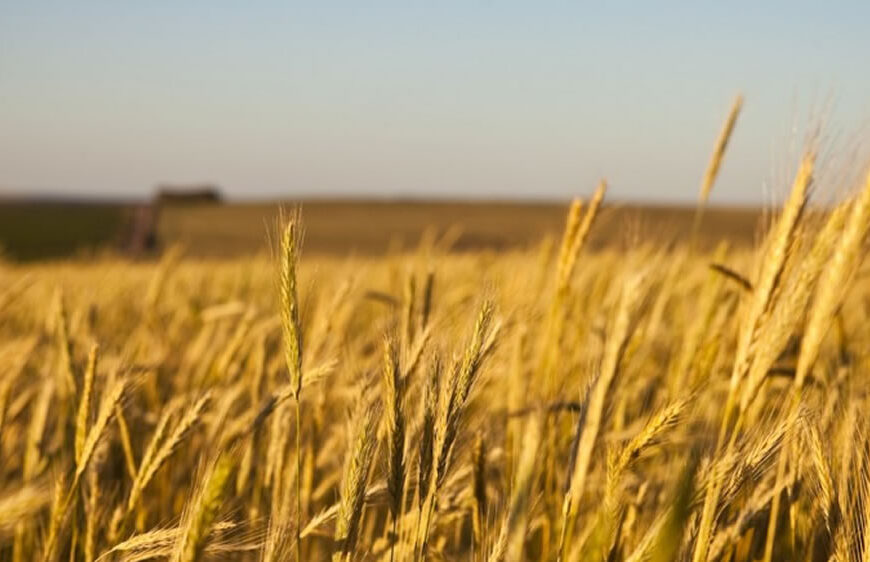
375, 228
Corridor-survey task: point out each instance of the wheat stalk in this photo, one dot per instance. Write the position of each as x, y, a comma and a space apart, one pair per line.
152, 461
394, 416
84, 410
354, 480
719, 151
202, 512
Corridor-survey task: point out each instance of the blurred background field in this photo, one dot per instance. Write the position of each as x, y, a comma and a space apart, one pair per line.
50, 230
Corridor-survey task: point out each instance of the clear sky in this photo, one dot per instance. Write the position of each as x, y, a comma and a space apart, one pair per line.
447, 98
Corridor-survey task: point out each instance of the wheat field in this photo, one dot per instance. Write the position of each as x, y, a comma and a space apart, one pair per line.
547, 404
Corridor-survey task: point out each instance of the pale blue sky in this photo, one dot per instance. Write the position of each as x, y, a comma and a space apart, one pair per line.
476, 99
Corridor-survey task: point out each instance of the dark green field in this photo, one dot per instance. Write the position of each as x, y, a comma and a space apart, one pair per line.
33, 231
